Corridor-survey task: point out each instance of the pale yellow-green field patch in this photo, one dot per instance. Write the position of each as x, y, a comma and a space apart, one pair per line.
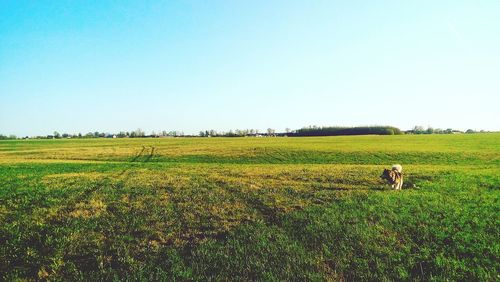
172, 148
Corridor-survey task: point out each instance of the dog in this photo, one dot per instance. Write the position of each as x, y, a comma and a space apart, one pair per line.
394, 176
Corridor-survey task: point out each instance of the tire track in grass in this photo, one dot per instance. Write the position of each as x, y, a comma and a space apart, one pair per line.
273, 156
272, 219
61, 219
61, 223
151, 154
86, 193
139, 154
269, 215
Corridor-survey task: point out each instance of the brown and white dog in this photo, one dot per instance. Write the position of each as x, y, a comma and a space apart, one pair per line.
394, 176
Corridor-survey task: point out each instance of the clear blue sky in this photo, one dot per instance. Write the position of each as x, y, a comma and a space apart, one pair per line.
79, 66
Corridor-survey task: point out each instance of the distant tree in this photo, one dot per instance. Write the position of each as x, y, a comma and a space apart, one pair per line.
65, 135
429, 130
270, 132
57, 135
470, 131
5, 137
287, 130
418, 130
138, 133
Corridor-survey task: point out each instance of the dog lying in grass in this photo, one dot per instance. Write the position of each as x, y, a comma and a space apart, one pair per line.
394, 176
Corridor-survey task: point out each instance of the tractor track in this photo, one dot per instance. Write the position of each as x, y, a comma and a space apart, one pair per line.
86, 193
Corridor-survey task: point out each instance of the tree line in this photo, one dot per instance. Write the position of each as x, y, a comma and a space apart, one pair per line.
138, 133
237, 133
270, 132
337, 131
373, 130
9, 137
430, 130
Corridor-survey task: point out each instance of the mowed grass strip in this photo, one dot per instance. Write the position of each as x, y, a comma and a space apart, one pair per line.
146, 209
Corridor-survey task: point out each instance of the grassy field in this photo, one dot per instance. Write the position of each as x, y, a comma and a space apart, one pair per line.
250, 208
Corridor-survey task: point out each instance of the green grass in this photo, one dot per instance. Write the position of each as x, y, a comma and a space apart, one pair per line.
250, 209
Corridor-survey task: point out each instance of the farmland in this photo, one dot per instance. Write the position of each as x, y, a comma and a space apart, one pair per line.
309, 208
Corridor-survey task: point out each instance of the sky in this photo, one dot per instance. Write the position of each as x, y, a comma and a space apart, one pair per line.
110, 66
